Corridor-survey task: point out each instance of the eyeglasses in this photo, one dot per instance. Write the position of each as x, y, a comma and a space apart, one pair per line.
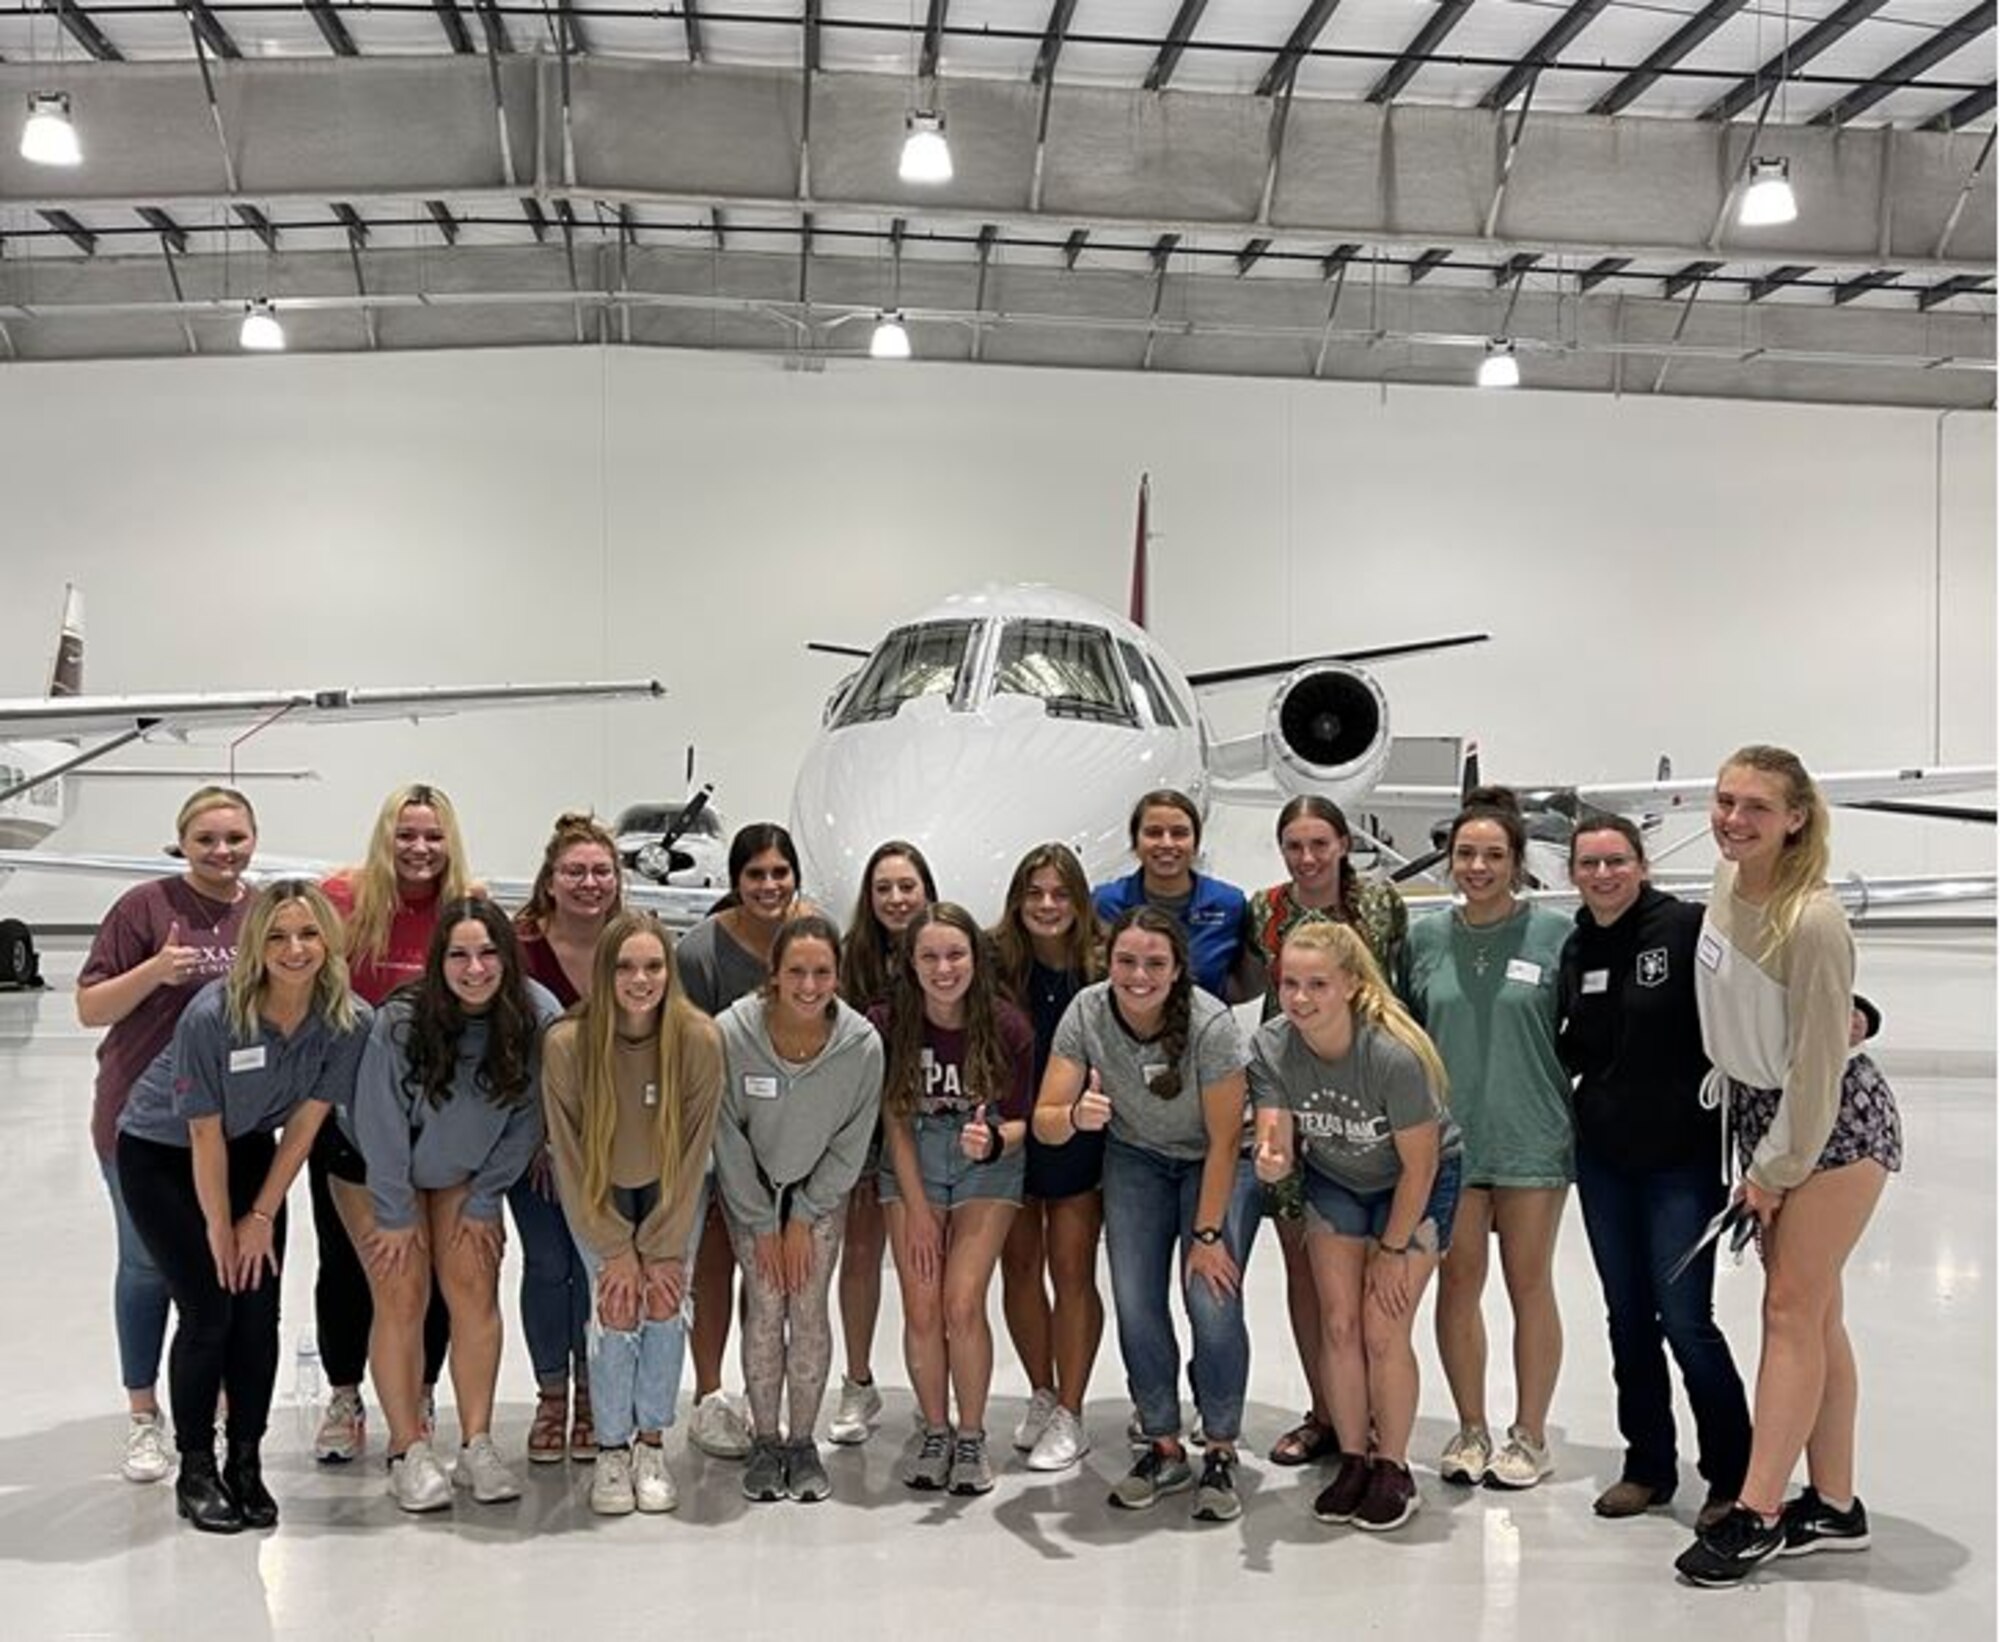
576, 873
1604, 863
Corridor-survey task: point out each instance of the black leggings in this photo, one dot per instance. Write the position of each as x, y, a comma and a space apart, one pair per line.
342, 1309
223, 1340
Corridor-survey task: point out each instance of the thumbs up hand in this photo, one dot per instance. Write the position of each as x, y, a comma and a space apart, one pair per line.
1092, 1110
175, 963
1273, 1161
975, 1140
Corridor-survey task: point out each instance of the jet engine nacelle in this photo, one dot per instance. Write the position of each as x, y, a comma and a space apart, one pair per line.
1327, 732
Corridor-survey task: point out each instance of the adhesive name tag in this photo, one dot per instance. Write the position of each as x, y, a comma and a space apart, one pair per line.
247, 1060
1148, 1073
1521, 969
1596, 980
759, 1088
1709, 951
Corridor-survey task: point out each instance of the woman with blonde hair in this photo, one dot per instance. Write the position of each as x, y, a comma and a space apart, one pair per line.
1347, 1082
273, 1047
1048, 946
631, 1082
388, 906
577, 892
160, 943
1774, 977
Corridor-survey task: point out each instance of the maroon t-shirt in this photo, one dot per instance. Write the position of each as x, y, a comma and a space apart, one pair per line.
540, 963
942, 1072
133, 930
408, 945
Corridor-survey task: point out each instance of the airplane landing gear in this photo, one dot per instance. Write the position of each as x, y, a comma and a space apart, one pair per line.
19, 965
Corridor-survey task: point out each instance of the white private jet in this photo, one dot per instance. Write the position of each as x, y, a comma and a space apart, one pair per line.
1013, 715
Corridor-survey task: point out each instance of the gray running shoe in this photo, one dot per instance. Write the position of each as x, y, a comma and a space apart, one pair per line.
971, 1471
764, 1474
1215, 1500
1156, 1472
929, 1468
805, 1477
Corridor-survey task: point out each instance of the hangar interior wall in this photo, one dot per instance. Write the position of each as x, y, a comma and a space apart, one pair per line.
1658, 575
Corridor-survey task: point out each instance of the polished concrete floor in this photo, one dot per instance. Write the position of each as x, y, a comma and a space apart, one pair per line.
86, 1554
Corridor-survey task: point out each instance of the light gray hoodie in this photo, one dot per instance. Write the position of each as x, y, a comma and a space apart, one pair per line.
792, 1139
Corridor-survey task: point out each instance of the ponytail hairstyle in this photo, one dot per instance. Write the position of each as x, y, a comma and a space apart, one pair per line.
1603, 821
806, 926
249, 974
988, 1070
1500, 806
203, 799
1179, 1007
1806, 854
375, 879
1163, 798
506, 1074
1373, 1002
867, 968
572, 827
676, 1022
1014, 952
1309, 806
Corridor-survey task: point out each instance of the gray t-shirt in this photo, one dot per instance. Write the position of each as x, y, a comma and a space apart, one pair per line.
1346, 1112
715, 968
251, 1086
1091, 1034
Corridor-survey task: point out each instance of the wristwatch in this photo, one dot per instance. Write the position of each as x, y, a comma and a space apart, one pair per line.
1208, 1234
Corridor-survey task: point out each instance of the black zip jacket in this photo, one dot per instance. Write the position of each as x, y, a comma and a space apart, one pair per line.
1631, 1036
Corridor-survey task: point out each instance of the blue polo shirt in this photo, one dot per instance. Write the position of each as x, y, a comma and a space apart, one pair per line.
1212, 920
251, 1086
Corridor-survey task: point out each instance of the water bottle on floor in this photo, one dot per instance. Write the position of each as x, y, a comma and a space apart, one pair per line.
306, 1386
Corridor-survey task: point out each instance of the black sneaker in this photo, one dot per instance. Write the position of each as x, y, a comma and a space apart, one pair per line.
1215, 1499
1341, 1498
1730, 1549
1811, 1525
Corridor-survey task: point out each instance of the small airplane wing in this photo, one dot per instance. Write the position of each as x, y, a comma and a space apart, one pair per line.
39, 717
1848, 787
677, 908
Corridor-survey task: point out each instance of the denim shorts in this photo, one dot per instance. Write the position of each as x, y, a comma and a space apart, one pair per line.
1348, 1213
950, 1177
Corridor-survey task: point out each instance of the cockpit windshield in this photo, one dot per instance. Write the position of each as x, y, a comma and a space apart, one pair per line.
926, 660
1067, 666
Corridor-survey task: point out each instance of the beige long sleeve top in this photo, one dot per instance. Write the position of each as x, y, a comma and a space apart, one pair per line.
1780, 1022
635, 1143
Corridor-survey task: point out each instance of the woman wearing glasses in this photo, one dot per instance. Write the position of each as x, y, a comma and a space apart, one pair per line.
1646, 1173
575, 896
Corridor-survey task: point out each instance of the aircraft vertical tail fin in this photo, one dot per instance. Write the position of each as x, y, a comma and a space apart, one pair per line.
1469, 780
66, 674
1138, 609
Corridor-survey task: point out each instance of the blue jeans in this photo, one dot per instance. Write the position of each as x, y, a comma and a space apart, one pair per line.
139, 1298
555, 1288
1639, 1223
635, 1375
1149, 1212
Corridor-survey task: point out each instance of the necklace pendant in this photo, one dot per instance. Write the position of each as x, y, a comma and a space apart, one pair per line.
1480, 962
652, 1095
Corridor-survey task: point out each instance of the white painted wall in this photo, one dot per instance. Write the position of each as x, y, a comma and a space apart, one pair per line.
1673, 576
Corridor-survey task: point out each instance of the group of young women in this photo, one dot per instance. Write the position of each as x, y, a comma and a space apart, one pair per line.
767, 1103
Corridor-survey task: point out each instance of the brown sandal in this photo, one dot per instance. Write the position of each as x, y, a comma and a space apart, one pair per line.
1304, 1443
583, 1429
546, 1434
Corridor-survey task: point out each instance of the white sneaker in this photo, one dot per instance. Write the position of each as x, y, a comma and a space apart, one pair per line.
416, 1480
652, 1483
1062, 1443
1033, 1423
481, 1469
1522, 1463
1466, 1456
611, 1492
343, 1428
718, 1428
860, 1407
147, 1456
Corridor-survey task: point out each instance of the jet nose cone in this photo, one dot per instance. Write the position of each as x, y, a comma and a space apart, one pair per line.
973, 796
